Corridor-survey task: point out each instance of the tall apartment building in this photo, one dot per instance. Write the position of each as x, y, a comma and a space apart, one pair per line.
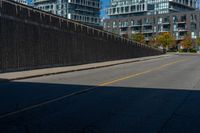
128, 8
21, 1
151, 17
85, 11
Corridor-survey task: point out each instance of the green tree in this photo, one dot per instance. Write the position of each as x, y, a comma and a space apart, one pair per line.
153, 42
138, 37
198, 43
165, 40
187, 42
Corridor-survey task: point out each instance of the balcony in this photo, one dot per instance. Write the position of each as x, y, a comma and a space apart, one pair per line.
165, 23
136, 25
40, 1
136, 31
147, 24
123, 32
180, 22
181, 29
164, 30
180, 38
87, 3
148, 31
124, 28
147, 38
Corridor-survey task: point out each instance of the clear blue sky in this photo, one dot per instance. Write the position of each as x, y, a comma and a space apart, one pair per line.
105, 3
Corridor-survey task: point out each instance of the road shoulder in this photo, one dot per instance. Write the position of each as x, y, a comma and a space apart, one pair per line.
58, 70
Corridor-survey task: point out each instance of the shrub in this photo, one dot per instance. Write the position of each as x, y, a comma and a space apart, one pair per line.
193, 50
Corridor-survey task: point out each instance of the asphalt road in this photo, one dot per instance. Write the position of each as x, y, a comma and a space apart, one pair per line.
154, 96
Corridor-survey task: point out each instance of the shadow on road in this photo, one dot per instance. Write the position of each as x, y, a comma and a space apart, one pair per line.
3, 80
101, 110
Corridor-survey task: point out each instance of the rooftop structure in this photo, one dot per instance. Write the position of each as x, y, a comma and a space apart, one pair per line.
21, 1
85, 11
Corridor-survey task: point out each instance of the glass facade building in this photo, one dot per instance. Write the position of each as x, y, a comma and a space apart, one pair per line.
127, 8
85, 11
152, 17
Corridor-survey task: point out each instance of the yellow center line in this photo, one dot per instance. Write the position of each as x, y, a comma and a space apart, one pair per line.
139, 74
86, 90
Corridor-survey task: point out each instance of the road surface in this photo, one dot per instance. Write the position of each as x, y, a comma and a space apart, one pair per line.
154, 96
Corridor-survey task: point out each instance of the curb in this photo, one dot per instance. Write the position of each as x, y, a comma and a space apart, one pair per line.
82, 69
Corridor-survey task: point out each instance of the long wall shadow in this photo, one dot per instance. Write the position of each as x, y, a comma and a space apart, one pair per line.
103, 109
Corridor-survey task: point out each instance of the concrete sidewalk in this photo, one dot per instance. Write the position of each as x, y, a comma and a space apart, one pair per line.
58, 70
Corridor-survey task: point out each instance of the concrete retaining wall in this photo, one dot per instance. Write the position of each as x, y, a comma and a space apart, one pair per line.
31, 39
